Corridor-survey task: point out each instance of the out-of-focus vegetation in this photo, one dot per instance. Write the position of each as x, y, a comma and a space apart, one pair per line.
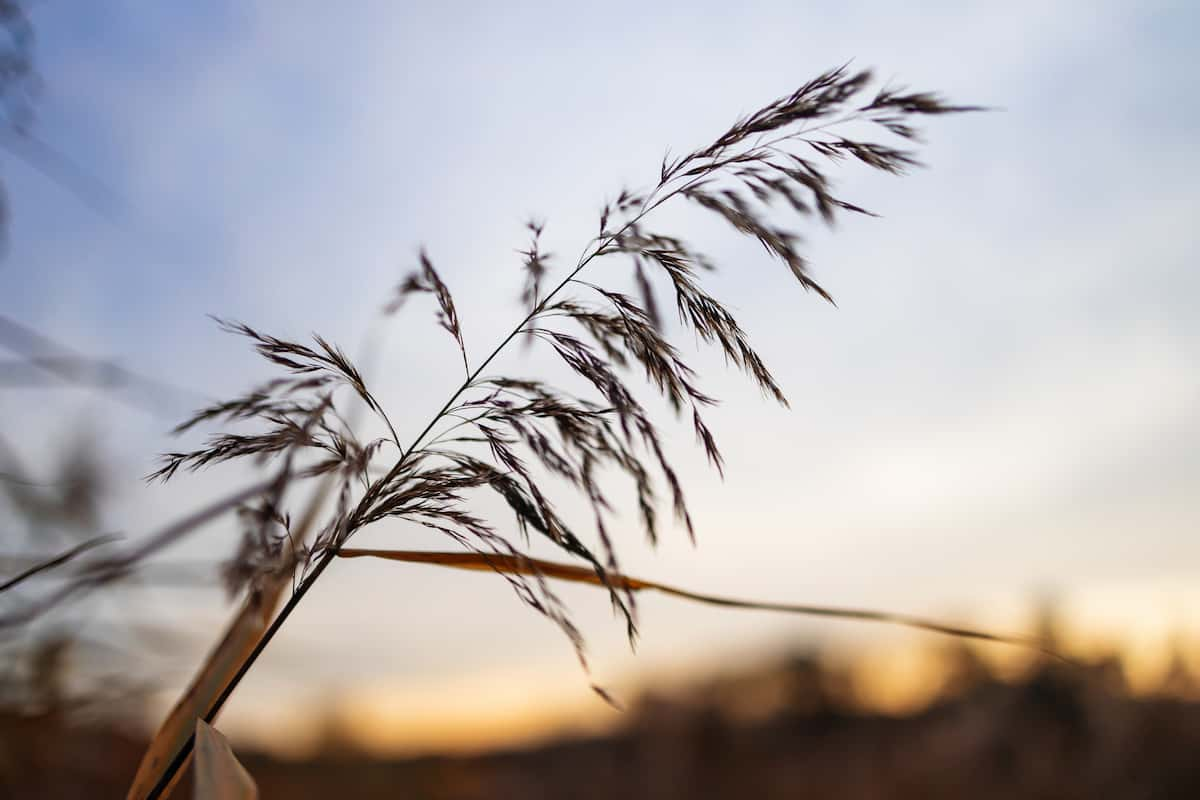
799, 725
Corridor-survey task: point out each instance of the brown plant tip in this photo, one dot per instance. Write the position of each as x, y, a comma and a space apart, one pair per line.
427, 280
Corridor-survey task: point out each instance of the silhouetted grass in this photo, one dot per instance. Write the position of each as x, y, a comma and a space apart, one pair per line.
499, 433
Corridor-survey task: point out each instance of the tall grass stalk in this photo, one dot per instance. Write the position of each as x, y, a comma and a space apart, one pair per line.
523, 439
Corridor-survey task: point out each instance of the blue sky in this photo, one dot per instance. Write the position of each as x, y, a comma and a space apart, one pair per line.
1003, 402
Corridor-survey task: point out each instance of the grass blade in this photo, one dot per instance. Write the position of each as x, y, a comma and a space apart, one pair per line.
576, 574
106, 570
57, 560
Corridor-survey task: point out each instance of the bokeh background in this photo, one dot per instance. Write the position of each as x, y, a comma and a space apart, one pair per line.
999, 418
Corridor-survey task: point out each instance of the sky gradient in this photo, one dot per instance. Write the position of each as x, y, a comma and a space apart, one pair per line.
1003, 402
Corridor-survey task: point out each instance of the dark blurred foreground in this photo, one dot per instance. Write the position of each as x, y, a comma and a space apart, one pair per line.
1057, 732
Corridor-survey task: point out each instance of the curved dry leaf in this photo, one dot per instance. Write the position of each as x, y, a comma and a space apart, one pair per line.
174, 739
219, 775
576, 574
174, 736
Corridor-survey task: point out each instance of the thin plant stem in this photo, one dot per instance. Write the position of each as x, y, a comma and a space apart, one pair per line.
630, 326
328, 556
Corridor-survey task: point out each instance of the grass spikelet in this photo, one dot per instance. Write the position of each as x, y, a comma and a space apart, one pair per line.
532, 444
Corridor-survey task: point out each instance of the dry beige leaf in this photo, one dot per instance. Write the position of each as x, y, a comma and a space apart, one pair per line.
520, 565
173, 741
174, 736
219, 775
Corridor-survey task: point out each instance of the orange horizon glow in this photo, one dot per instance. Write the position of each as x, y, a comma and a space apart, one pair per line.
495, 709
